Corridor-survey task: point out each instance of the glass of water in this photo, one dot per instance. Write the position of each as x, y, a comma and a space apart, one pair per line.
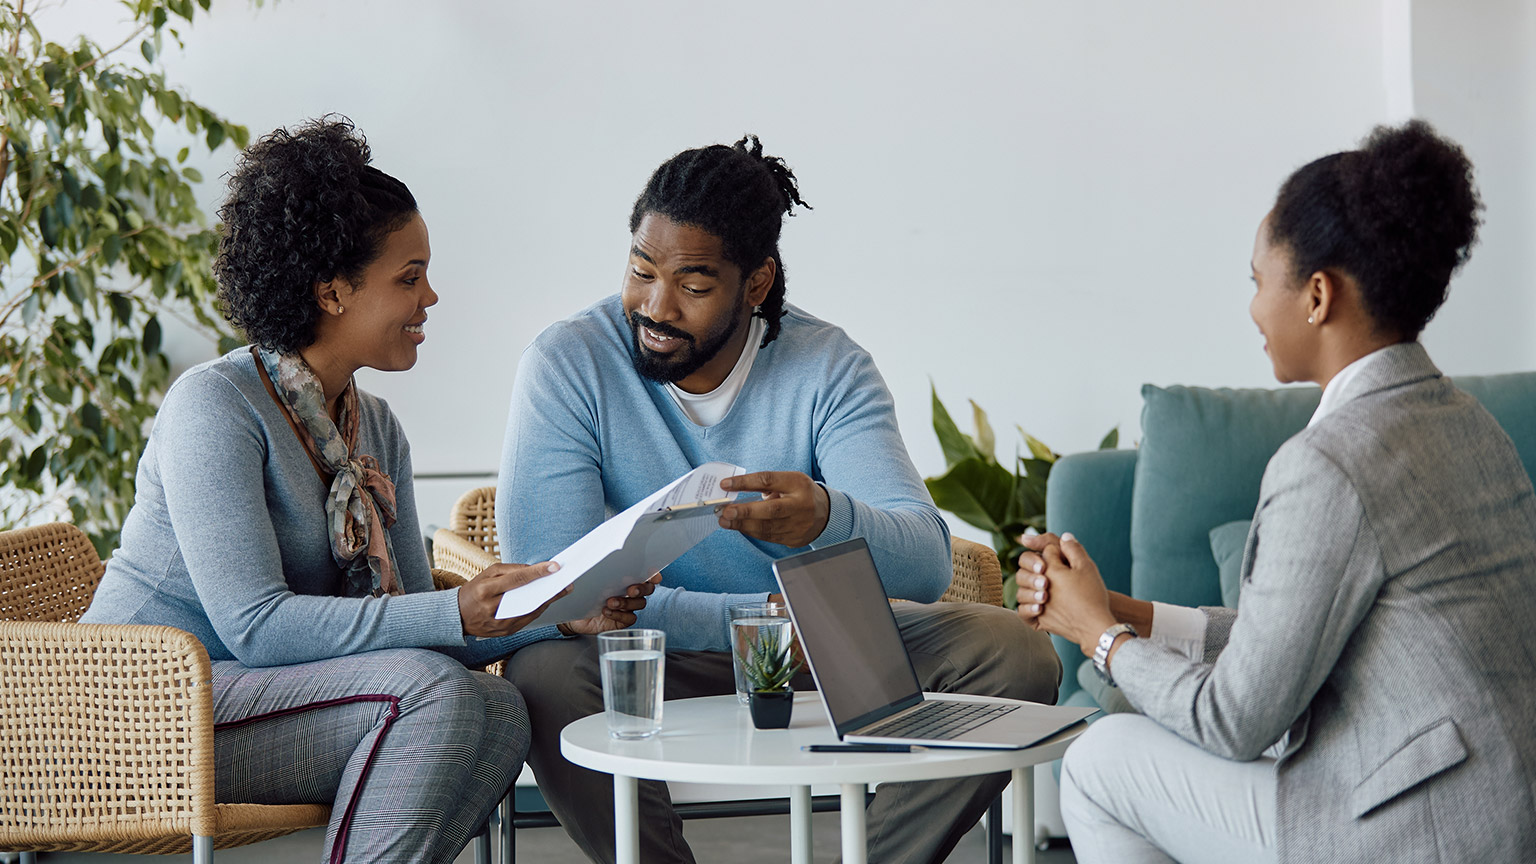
633, 664
747, 623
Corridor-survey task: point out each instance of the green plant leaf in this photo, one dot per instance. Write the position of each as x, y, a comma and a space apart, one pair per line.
122, 308
96, 209
1028, 499
955, 444
1036, 447
985, 442
975, 490
1111, 440
90, 416
151, 342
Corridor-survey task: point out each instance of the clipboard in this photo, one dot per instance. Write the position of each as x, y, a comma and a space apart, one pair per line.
626, 549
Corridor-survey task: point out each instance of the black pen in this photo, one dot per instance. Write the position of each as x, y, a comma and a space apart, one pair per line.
857, 748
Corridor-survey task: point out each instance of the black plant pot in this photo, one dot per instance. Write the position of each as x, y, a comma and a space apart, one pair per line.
771, 709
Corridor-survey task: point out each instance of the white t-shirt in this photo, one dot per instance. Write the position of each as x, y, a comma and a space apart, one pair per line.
707, 409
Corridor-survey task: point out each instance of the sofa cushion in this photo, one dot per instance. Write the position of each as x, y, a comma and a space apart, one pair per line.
1227, 542
1202, 455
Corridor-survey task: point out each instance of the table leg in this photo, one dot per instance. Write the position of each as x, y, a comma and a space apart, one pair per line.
800, 825
1024, 815
855, 844
626, 820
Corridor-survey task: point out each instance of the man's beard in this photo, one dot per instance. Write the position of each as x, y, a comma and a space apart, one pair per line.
674, 367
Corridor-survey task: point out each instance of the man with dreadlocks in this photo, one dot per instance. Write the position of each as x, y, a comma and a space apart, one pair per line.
699, 359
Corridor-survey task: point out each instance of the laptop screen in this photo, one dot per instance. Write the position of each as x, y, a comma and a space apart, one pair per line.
848, 633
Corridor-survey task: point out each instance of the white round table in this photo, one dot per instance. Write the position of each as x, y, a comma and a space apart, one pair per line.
712, 740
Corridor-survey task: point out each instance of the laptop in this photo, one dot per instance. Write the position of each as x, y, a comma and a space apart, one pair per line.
866, 679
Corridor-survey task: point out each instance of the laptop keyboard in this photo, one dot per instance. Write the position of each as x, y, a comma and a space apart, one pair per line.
939, 720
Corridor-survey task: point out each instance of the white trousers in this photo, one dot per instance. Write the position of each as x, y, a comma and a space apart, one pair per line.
1133, 792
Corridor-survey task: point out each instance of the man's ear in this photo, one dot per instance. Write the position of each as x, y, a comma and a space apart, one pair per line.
760, 282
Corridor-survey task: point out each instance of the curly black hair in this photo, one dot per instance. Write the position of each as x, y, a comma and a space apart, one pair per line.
304, 206
735, 193
1400, 215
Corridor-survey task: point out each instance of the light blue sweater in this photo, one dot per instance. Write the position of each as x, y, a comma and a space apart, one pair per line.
588, 437
227, 538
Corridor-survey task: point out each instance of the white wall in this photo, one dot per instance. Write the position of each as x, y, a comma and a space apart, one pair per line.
1475, 77
1039, 205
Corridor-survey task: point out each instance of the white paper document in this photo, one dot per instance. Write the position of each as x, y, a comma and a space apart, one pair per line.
627, 548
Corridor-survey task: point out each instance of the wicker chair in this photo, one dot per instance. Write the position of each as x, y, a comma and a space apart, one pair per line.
106, 740
469, 545
107, 733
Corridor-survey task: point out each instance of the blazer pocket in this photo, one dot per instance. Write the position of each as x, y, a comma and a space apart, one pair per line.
1421, 757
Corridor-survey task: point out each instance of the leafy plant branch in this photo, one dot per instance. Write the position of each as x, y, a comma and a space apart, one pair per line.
1004, 502
100, 239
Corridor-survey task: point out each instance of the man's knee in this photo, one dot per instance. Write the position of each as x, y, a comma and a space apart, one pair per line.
984, 650
558, 677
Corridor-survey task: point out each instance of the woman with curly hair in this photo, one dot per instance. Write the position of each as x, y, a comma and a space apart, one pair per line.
275, 520
1372, 697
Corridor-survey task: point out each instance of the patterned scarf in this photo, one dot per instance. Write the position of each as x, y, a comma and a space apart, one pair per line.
361, 504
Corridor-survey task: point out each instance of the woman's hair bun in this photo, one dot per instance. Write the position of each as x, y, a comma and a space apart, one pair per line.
1400, 215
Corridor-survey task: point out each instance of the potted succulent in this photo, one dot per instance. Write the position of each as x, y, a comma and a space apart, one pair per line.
768, 663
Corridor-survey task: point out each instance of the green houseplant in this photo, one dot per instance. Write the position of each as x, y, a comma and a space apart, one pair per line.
981, 492
768, 664
101, 240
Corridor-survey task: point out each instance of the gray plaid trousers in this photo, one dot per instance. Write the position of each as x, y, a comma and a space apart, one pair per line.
411, 749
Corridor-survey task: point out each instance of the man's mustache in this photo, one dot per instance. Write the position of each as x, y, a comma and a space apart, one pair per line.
638, 320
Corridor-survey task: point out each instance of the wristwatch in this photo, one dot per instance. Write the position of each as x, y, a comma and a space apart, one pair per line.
1101, 653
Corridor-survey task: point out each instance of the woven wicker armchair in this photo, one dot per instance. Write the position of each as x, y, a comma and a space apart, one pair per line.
978, 575
107, 734
468, 545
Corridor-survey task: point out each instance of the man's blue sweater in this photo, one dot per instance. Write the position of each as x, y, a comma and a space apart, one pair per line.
588, 437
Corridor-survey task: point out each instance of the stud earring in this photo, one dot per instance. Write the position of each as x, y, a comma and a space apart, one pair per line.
341, 309
1311, 319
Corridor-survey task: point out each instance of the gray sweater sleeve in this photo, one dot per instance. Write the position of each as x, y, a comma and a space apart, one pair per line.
416, 572
219, 482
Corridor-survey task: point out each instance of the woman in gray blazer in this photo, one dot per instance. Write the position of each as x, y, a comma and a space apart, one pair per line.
1372, 698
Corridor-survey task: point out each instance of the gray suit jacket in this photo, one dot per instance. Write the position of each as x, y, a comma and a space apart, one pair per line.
1388, 622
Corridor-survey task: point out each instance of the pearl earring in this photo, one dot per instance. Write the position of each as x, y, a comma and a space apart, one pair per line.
1311, 320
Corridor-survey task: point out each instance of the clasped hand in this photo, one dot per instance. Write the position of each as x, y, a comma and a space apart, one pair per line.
480, 597
1061, 591
793, 511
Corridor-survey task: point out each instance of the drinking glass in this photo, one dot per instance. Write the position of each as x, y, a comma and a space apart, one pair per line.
747, 623
634, 665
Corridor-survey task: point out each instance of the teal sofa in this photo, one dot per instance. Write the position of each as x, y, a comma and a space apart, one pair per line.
1147, 515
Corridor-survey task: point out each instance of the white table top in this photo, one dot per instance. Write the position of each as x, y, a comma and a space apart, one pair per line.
712, 740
